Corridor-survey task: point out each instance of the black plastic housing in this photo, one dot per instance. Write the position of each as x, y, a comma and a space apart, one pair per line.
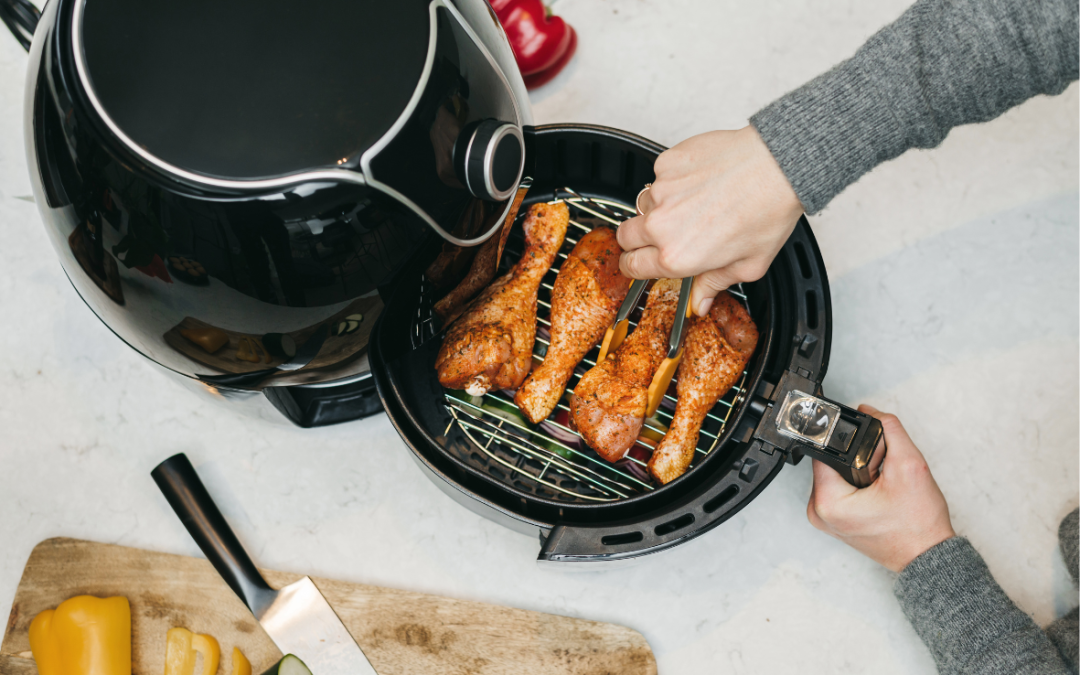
323, 405
790, 305
272, 195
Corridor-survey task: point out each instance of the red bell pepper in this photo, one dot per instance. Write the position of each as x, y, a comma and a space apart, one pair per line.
540, 41
156, 268
544, 76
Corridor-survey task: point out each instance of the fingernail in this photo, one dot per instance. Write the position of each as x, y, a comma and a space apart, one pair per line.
703, 307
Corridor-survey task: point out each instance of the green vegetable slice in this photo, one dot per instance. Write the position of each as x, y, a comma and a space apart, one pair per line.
288, 665
279, 345
465, 396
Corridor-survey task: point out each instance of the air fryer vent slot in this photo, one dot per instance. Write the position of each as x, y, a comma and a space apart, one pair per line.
673, 525
620, 539
719, 500
811, 309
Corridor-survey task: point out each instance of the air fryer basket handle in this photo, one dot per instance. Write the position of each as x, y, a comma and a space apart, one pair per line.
860, 464
188, 497
798, 420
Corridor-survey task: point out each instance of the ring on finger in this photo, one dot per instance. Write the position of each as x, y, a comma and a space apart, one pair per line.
637, 202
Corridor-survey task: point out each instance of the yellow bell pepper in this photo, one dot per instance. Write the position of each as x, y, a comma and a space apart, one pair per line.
83, 636
240, 664
245, 350
181, 648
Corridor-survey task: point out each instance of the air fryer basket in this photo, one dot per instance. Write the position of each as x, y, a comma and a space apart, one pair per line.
517, 479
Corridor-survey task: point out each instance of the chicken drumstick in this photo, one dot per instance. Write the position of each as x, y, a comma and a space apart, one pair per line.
608, 405
491, 345
584, 300
716, 349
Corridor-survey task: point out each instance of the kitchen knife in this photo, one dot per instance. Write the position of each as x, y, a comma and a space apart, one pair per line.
304, 355
297, 617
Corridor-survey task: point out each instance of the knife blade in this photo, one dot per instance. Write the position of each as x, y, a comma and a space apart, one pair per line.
296, 617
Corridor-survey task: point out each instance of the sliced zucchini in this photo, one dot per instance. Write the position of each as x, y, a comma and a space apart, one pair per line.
553, 446
499, 405
288, 665
498, 411
280, 345
465, 396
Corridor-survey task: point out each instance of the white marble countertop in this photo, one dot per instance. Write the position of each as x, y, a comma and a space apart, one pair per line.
955, 295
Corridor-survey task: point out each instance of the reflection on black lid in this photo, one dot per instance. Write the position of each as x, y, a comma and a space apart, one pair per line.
255, 88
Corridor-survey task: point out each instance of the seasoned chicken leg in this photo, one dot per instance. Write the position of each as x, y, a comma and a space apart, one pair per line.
484, 265
716, 350
608, 405
584, 300
491, 345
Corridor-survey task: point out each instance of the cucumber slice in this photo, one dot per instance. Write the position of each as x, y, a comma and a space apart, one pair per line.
502, 407
288, 665
555, 448
501, 412
462, 395
279, 345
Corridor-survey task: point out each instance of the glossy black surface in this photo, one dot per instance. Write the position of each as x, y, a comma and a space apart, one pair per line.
255, 88
504, 166
281, 261
790, 305
464, 87
596, 162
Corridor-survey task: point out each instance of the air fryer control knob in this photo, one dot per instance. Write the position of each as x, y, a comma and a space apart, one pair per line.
489, 159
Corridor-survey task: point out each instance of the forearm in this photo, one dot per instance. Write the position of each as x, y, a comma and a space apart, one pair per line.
943, 63
967, 621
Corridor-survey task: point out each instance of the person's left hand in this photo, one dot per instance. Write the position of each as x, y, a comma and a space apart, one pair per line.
898, 517
720, 209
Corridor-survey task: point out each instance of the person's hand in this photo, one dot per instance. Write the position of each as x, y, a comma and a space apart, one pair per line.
898, 517
720, 208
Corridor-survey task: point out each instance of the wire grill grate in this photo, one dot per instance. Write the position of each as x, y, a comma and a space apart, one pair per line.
535, 460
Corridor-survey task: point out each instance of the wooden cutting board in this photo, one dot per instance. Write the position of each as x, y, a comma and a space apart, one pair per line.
401, 632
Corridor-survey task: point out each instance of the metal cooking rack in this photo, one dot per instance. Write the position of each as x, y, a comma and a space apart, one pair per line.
532, 459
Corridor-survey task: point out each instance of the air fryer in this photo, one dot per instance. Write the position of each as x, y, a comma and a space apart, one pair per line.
249, 195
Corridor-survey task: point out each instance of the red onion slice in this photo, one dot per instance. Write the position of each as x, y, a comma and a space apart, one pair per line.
634, 469
565, 437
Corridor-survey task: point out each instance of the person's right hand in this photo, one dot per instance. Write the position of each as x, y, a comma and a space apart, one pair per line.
719, 209
898, 517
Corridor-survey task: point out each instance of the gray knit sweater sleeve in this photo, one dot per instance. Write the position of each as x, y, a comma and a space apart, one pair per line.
943, 63
969, 624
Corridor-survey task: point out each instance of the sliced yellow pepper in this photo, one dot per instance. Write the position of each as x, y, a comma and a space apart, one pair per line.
211, 653
181, 648
83, 636
245, 350
240, 664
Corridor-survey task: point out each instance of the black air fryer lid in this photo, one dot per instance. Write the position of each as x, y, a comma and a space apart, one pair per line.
255, 88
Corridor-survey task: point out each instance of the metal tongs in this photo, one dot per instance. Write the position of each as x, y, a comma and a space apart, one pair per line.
617, 333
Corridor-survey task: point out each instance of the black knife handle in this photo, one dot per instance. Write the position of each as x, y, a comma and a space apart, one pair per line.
192, 503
